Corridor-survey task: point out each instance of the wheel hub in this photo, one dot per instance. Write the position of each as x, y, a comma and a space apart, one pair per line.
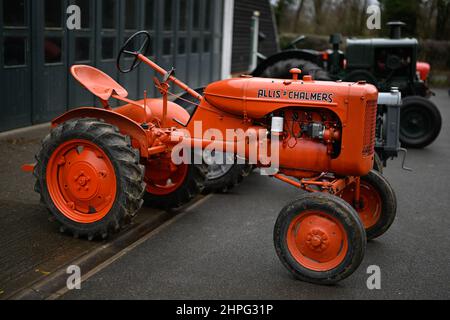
317, 241
84, 187
81, 183
415, 122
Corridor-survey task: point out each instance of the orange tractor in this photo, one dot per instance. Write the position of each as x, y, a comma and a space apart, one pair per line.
98, 165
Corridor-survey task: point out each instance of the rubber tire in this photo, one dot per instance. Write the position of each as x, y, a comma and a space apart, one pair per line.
247, 170
280, 70
361, 75
339, 209
378, 164
389, 204
129, 174
192, 185
232, 177
435, 118
225, 183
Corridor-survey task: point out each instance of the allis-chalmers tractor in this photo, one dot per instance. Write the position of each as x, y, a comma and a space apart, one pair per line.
385, 63
97, 165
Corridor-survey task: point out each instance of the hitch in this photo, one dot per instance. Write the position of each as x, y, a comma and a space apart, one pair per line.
405, 153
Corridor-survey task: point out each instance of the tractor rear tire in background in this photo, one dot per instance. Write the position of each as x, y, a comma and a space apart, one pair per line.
378, 206
280, 70
319, 238
420, 122
360, 75
219, 178
89, 177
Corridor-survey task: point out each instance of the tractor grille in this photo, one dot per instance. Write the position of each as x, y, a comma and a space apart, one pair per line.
370, 128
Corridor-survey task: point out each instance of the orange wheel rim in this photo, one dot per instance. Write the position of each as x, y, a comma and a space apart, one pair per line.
163, 182
317, 241
371, 204
81, 181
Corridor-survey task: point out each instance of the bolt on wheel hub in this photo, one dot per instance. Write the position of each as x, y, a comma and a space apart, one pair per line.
317, 241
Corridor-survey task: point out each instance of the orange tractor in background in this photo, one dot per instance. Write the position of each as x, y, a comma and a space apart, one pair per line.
97, 166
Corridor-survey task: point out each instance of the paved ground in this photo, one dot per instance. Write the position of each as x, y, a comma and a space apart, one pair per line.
32, 247
223, 248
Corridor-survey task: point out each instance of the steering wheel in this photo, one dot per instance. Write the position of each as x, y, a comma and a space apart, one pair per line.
129, 50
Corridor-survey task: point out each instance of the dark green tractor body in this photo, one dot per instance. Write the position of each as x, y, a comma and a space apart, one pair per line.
390, 62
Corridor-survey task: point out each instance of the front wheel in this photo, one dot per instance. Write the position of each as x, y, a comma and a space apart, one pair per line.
378, 203
319, 238
420, 122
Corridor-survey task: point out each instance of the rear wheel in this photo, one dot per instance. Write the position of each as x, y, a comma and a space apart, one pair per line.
378, 205
319, 238
89, 177
420, 122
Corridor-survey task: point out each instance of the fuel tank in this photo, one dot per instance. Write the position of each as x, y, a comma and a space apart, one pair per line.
257, 97
352, 105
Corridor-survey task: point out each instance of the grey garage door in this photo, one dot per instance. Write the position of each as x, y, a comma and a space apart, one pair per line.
37, 50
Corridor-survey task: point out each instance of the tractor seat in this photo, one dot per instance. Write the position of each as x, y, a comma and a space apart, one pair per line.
97, 82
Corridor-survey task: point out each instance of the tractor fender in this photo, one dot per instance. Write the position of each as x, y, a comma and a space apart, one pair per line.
309, 55
140, 139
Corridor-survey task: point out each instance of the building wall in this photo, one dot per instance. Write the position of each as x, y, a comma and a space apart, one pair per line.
37, 50
243, 12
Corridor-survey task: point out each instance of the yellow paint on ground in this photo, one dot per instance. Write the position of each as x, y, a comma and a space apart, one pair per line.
45, 273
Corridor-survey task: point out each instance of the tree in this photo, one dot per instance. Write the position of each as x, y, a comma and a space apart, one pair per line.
443, 8
318, 13
295, 25
280, 9
401, 10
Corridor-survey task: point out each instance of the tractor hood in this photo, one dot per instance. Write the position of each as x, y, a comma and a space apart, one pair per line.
257, 97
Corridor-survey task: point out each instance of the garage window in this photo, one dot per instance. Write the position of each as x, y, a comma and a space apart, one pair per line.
14, 13
14, 51
53, 49
82, 49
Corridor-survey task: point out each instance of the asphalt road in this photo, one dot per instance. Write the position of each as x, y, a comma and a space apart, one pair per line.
32, 248
31, 245
223, 249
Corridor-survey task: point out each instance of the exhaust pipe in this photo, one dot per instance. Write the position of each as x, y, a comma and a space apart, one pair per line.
396, 29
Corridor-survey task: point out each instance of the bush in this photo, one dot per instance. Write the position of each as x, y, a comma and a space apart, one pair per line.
435, 53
